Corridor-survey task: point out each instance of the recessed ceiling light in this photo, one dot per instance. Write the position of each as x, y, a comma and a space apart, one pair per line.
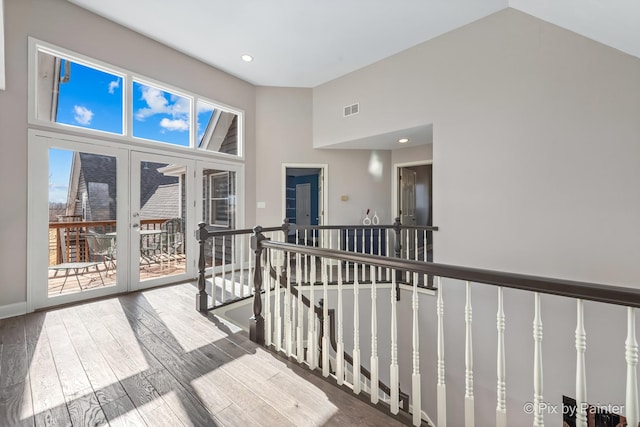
403, 140
247, 58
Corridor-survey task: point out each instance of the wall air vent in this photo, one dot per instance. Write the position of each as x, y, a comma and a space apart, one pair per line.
350, 110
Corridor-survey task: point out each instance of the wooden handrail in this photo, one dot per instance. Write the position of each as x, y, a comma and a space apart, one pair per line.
286, 226
619, 295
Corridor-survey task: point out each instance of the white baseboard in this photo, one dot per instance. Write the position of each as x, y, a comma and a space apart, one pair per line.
11, 310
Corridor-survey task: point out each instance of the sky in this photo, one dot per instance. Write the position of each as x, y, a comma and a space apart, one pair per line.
94, 99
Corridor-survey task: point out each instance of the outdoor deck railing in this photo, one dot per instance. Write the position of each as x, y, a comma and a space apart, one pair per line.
67, 241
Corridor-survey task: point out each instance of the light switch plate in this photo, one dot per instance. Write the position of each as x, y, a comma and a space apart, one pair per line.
262, 205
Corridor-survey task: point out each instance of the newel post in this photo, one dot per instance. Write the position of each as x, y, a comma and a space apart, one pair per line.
256, 322
397, 227
285, 229
201, 296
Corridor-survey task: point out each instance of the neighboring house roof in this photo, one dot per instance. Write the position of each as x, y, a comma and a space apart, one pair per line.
163, 203
96, 175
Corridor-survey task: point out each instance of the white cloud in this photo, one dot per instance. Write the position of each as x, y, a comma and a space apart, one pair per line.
204, 108
113, 86
157, 103
82, 115
177, 124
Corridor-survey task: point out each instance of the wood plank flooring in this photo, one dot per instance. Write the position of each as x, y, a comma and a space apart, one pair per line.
148, 358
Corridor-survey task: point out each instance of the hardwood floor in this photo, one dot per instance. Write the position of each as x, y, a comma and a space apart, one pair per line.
148, 358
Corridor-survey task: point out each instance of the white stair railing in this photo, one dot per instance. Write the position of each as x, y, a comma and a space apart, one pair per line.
441, 385
631, 356
374, 392
469, 416
356, 334
416, 394
581, 371
538, 405
284, 323
501, 406
394, 383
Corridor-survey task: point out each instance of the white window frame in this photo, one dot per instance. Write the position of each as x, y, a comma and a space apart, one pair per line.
211, 199
128, 77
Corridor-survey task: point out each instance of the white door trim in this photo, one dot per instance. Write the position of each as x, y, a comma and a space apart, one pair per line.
324, 215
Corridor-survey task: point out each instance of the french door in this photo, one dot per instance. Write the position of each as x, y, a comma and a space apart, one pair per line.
106, 220
78, 232
162, 219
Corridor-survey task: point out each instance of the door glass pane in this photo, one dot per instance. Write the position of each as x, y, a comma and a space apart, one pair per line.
82, 221
162, 220
219, 212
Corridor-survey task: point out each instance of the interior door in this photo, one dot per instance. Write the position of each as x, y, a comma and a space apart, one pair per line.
78, 228
407, 196
303, 204
162, 221
407, 180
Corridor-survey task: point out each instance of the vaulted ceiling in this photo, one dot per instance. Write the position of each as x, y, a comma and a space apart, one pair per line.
304, 43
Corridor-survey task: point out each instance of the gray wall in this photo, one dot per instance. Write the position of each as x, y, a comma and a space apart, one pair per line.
284, 130
412, 154
536, 145
68, 26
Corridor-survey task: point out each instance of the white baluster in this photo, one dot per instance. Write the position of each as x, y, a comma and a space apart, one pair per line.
325, 326
386, 231
469, 416
340, 344
362, 250
300, 325
581, 374
242, 287
288, 327
214, 286
501, 407
356, 336
380, 231
416, 394
374, 338
425, 279
224, 272
330, 232
277, 315
233, 268
311, 319
538, 416
346, 248
393, 368
441, 385
631, 356
306, 275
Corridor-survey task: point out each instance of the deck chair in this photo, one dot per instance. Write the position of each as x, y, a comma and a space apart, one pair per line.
173, 237
103, 248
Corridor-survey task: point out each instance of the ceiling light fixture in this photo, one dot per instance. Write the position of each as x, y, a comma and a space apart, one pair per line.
247, 58
403, 140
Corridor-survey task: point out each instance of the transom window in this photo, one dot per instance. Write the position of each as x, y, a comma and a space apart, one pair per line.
72, 90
